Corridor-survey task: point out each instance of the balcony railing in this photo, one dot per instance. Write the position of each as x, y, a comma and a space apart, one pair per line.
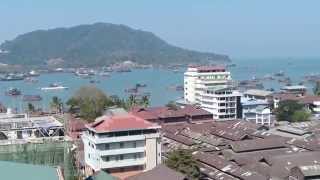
122, 163
121, 151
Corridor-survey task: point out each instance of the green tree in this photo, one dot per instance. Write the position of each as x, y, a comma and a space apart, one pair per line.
286, 110
31, 107
131, 101
72, 103
56, 104
91, 102
172, 105
145, 102
301, 115
181, 160
316, 89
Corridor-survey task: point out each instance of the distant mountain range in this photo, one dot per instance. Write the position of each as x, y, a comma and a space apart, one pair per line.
95, 45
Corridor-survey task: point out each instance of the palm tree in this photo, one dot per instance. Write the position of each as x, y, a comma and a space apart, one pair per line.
131, 101
56, 104
145, 101
31, 107
316, 89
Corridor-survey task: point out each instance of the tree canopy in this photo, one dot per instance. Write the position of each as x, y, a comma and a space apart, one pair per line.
182, 160
292, 111
90, 101
316, 89
56, 104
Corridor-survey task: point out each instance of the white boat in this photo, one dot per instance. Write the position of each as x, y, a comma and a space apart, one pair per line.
34, 73
104, 74
54, 86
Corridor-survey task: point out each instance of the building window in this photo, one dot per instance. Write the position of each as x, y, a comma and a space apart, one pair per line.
107, 146
106, 158
121, 145
121, 157
134, 144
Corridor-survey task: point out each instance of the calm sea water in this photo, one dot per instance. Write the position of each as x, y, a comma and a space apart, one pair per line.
157, 80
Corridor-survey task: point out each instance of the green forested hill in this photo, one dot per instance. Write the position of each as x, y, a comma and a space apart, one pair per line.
97, 44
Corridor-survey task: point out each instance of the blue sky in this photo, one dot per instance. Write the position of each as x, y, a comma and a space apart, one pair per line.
239, 28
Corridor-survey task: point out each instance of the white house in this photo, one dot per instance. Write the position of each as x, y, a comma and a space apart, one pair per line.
122, 143
256, 111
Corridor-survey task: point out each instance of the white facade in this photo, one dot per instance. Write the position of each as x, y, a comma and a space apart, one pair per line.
221, 101
138, 149
263, 116
209, 87
316, 108
197, 79
256, 110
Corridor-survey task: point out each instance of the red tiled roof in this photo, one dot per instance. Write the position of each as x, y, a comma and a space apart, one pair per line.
154, 113
120, 123
227, 166
307, 99
257, 144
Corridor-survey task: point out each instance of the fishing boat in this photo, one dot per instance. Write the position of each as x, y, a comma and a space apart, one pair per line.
54, 86
83, 73
231, 65
31, 80
123, 70
29, 98
138, 85
12, 77
94, 81
33, 73
13, 92
280, 73
105, 74
131, 90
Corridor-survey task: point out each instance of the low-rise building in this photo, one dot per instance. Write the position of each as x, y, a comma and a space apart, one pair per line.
311, 102
257, 94
305, 172
160, 172
122, 144
22, 127
18, 171
298, 89
164, 114
256, 111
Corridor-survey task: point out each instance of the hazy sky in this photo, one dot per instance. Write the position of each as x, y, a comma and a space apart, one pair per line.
239, 28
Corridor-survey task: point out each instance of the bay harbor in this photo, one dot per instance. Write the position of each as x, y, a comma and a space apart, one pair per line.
225, 115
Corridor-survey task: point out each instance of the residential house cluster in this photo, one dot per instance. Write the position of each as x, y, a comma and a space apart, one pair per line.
243, 150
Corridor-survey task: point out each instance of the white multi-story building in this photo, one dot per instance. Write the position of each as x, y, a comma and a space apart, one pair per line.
221, 101
122, 143
209, 86
198, 79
